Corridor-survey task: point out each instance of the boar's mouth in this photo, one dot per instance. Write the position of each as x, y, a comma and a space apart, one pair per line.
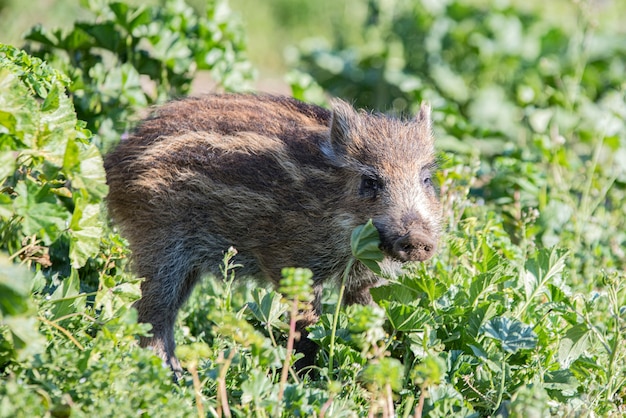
415, 245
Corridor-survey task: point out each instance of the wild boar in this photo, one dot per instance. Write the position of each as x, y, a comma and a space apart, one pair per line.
283, 182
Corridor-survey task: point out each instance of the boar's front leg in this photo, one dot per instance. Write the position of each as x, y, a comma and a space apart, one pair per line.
359, 297
304, 345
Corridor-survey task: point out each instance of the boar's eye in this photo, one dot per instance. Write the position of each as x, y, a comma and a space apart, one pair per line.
371, 186
427, 179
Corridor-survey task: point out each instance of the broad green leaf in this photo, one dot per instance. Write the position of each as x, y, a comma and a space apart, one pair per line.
89, 174
7, 163
562, 380
17, 313
110, 300
123, 84
256, 388
430, 371
52, 101
478, 317
513, 334
365, 319
545, 265
396, 292
67, 297
6, 207
105, 34
15, 283
26, 339
365, 242
407, 317
85, 232
57, 127
77, 39
38, 34
130, 17
267, 307
576, 340
8, 123
432, 287
21, 118
41, 213
482, 284
530, 400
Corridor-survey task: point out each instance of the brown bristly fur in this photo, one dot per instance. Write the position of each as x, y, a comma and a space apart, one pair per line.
283, 182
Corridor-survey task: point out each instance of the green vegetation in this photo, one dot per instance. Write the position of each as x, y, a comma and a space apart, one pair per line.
521, 313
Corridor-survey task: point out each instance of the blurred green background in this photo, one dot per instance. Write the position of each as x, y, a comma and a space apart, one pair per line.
274, 27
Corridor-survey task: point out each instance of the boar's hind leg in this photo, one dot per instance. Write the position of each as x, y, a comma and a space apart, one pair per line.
161, 298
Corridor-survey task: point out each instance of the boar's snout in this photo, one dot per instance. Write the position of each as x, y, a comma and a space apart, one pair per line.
413, 246
408, 238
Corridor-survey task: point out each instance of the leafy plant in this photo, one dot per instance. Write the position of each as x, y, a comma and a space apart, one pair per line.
129, 57
521, 312
52, 177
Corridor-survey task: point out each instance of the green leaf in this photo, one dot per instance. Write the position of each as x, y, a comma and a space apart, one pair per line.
85, 232
25, 336
478, 317
267, 307
130, 18
84, 166
105, 34
21, 117
8, 121
576, 340
296, 284
545, 265
563, 381
386, 371
407, 317
365, 242
77, 39
430, 371
57, 127
18, 323
8, 163
67, 297
513, 334
395, 291
52, 101
38, 34
483, 284
257, 387
15, 283
41, 213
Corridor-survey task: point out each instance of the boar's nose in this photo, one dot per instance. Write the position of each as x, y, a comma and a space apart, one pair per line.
414, 246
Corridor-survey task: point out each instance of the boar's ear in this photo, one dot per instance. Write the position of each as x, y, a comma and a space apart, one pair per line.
341, 125
423, 117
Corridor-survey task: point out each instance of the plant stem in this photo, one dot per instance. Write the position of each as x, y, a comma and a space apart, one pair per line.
222, 396
63, 330
193, 369
502, 384
336, 316
420, 404
290, 340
